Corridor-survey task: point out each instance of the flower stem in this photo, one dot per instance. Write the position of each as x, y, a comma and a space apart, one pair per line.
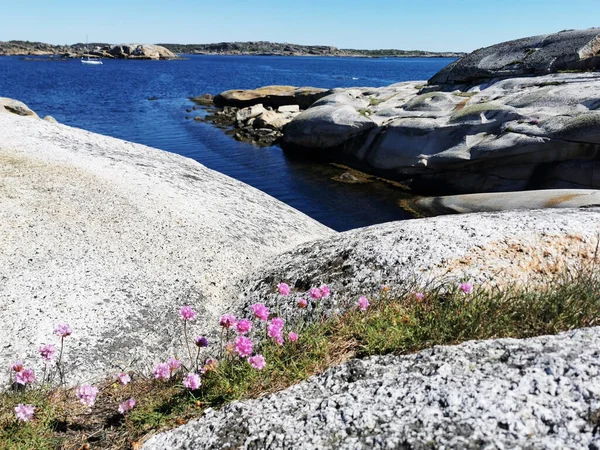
187, 343
59, 361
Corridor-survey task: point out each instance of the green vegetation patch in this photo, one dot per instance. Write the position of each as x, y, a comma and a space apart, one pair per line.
381, 324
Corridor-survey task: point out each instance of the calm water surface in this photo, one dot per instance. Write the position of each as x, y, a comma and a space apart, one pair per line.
112, 99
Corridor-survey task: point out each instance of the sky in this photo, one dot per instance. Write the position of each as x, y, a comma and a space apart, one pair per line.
434, 25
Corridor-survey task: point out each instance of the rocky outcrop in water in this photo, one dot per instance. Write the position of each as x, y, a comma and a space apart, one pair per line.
539, 393
258, 115
505, 134
121, 51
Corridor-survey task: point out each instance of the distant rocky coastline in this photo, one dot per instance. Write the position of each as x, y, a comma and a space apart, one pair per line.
108, 51
264, 48
169, 51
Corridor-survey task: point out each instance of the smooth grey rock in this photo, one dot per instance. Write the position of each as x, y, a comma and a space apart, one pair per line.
271, 96
505, 135
504, 201
50, 119
16, 107
536, 55
326, 126
250, 112
494, 248
113, 238
273, 120
539, 393
289, 109
140, 51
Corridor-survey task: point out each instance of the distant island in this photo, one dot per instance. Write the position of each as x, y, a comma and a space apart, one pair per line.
26, 48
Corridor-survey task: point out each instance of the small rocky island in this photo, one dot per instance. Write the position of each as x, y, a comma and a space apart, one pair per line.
519, 115
109, 51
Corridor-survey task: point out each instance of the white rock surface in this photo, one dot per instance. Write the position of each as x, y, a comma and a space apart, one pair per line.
540, 393
113, 237
494, 248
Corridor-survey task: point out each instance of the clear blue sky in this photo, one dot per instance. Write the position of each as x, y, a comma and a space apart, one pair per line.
461, 25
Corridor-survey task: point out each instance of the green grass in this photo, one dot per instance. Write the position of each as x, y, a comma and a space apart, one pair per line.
399, 325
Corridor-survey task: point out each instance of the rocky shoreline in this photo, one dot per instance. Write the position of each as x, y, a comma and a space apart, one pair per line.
515, 116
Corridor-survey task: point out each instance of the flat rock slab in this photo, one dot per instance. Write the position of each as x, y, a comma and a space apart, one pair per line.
113, 237
539, 393
503, 201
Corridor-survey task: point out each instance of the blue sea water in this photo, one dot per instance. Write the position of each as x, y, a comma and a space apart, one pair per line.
112, 99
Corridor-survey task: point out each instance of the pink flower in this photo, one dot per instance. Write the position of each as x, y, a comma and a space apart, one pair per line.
260, 311
25, 376
293, 337
63, 330
275, 327
126, 405
243, 346
315, 293
124, 378
24, 412
192, 381
257, 361
174, 364
162, 371
363, 303
467, 288
419, 295
244, 326
187, 313
87, 394
201, 341
228, 321
302, 303
279, 339
324, 291
17, 366
47, 351
284, 289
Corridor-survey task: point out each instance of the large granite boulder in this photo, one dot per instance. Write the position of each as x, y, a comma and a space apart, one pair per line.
140, 51
113, 238
507, 135
273, 96
536, 55
492, 249
16, 107
538, 393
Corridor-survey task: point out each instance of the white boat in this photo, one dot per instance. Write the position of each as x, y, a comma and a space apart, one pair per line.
93, 60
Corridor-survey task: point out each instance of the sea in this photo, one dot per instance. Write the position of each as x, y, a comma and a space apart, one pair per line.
148, 102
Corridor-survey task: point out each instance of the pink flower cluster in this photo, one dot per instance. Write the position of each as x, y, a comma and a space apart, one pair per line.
87, 394
23, 375
63, 330
228, 321
243, 346
257, 361
47, 351
467, 288
192, 381
284, 289
186, 313
244, 326
24, 412
124, 378
126, 405
274, 330
261, 312
163, 371
363, 303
